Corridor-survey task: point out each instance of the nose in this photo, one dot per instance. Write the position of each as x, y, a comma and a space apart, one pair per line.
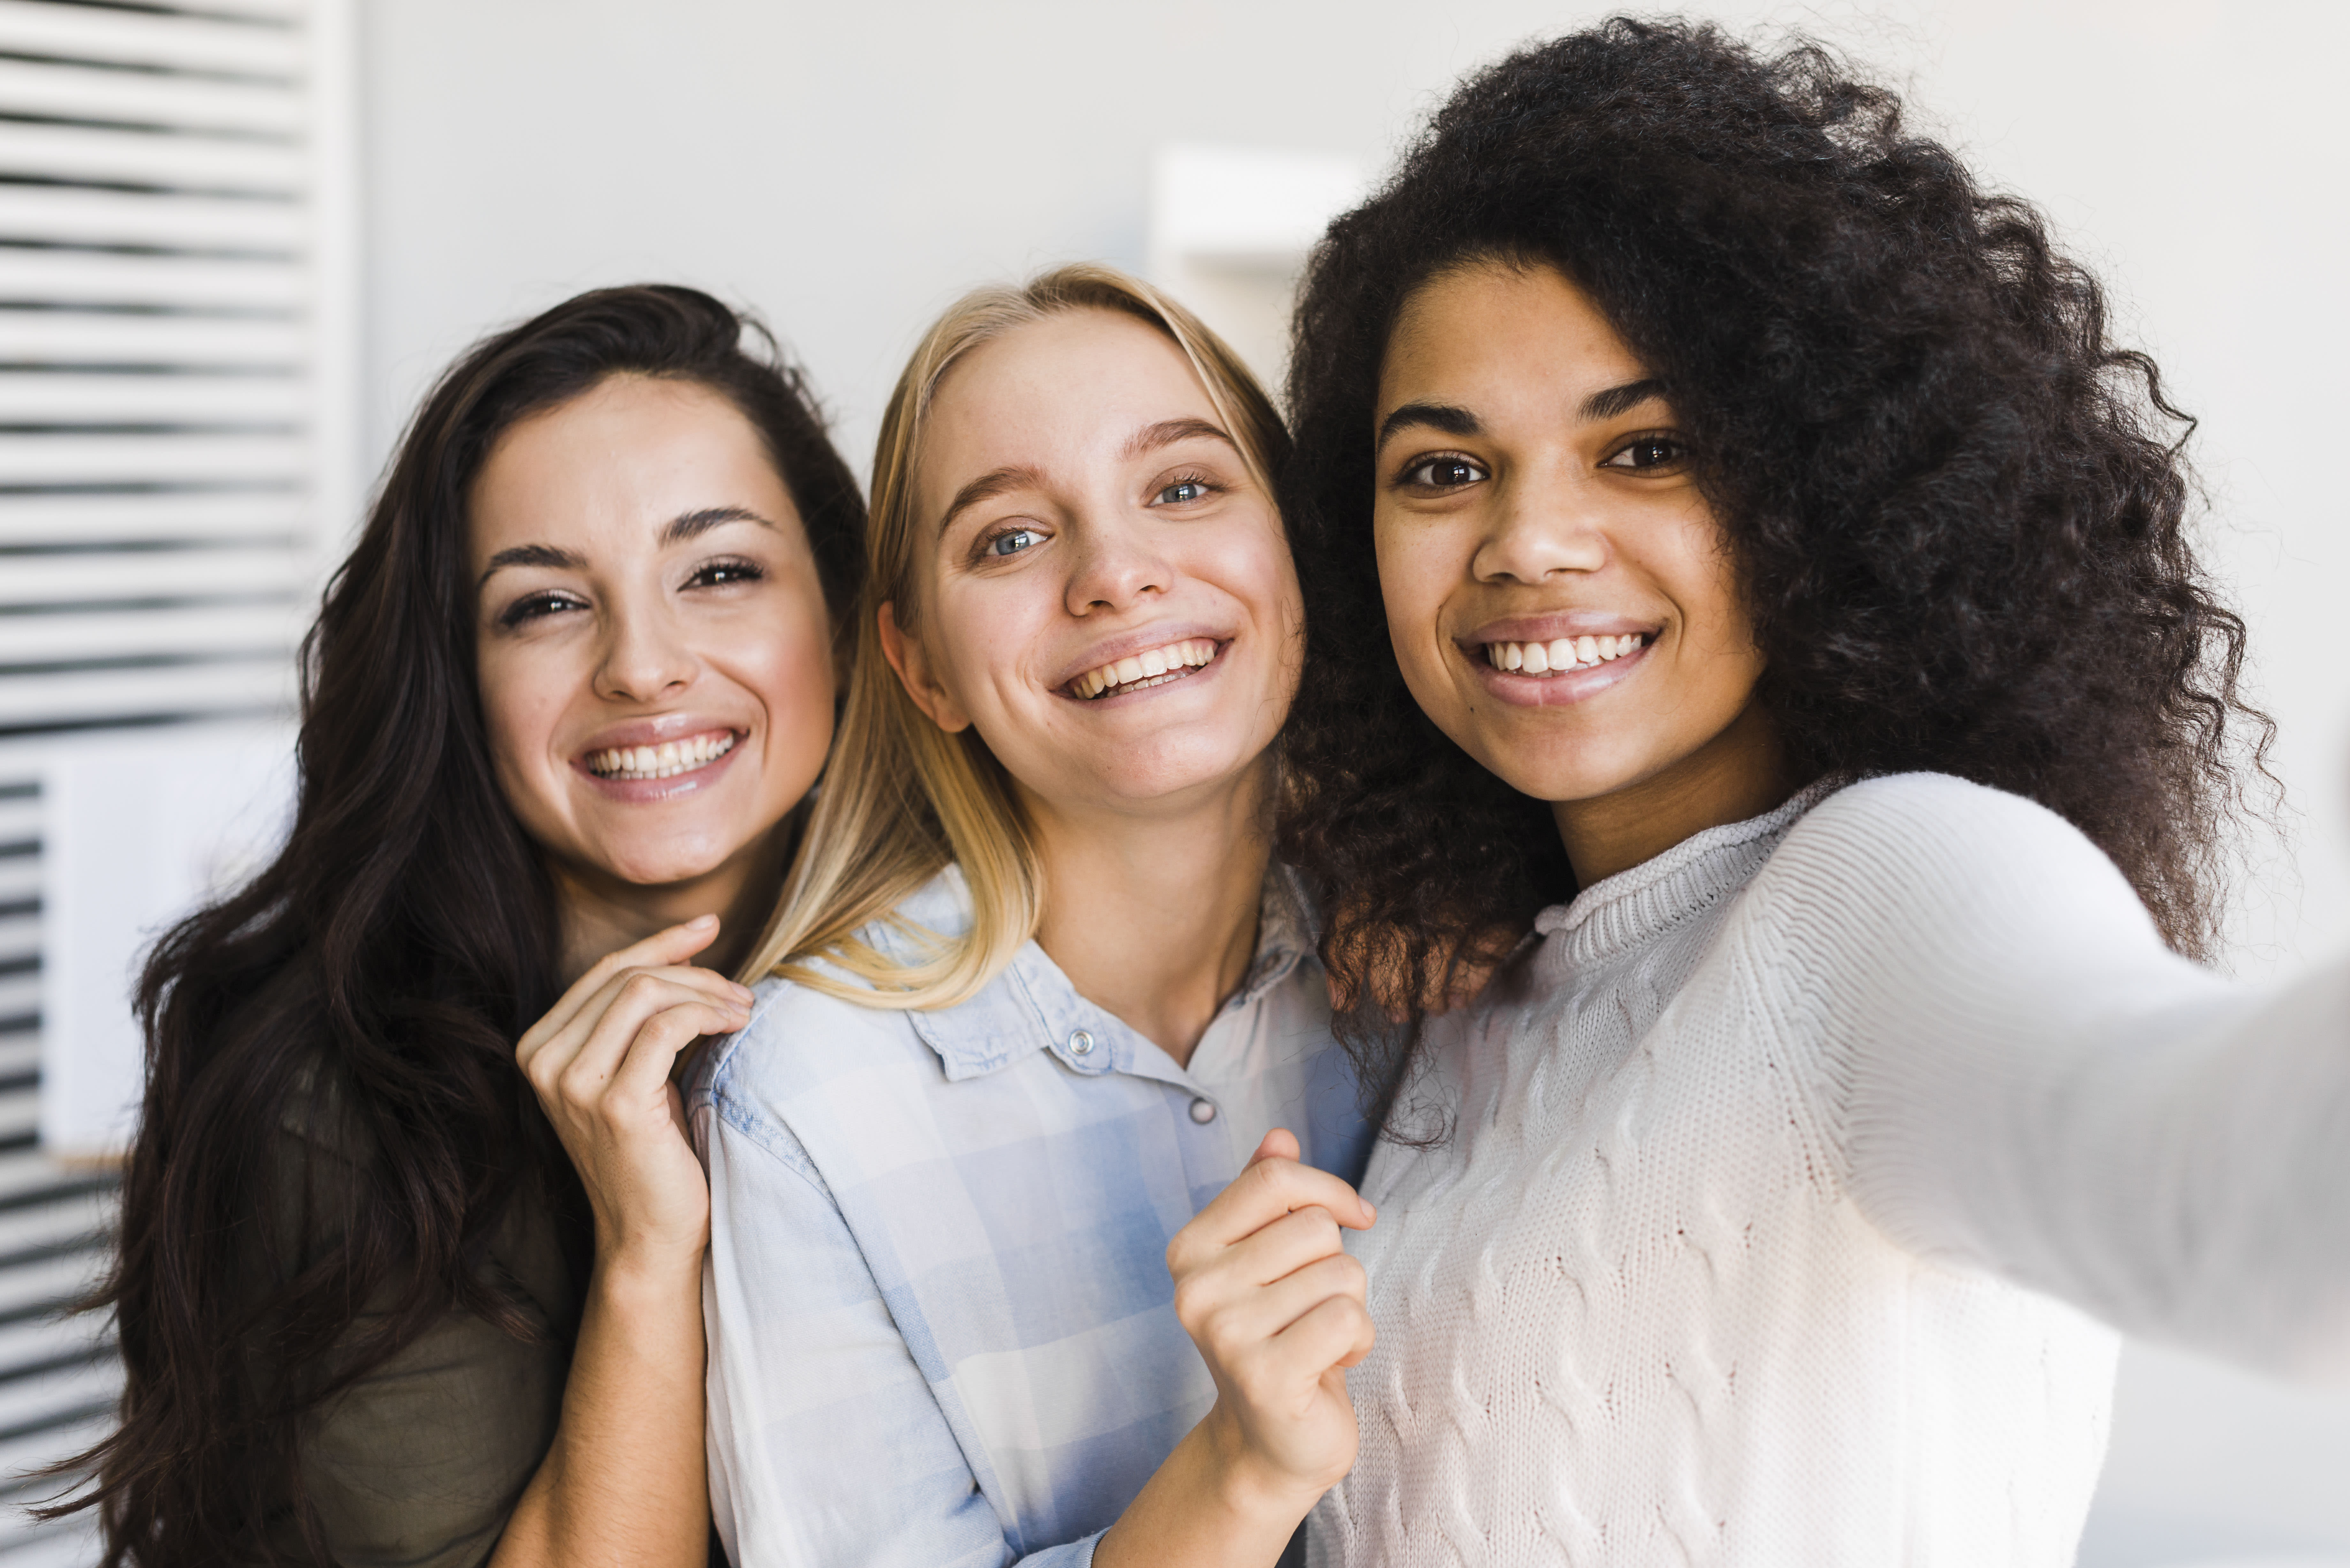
1117, 566
645, 658
1540, 525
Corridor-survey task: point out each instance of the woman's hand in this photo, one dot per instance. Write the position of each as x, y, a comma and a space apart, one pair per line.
1276, 1307
602, 1060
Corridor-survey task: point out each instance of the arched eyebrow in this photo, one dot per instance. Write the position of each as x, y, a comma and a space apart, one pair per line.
692, 525
987, 486
1167, 433
1608, 403
1449, 418
680, 528
1611, 403
531, 556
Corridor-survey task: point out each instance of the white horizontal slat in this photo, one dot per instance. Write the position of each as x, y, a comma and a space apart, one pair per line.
20, 1113
24, 1172
20, 819
59, 1279
104, 576
94, 337
19, 934
27, 1400
64, 398
20, 879
129, 218
19, 994
46, 1339
200, 458
151, 158
98, 277
186, 43
36, 1450
82, 1218
108, 519
69, 1543
94, 93
257, 629
20, 1052
122, 694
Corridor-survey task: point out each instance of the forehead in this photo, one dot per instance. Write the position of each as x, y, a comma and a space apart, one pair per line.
1054, 393
628, 454
1492, 334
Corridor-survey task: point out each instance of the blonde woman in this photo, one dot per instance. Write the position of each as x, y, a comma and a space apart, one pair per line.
1037, 994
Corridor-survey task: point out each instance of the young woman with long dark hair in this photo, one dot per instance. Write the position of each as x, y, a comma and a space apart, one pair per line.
383, 1297
1735, 549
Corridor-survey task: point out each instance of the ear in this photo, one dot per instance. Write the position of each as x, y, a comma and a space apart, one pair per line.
913, 667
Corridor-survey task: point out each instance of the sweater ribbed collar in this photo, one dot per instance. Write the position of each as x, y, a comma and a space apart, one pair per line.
1636, 905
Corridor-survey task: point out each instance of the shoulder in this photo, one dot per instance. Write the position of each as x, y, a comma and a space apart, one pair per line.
1921, 838
800, 1037
1932, 871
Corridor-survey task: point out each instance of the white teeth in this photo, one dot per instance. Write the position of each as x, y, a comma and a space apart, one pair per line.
664, 760
1153, 667
1561, 653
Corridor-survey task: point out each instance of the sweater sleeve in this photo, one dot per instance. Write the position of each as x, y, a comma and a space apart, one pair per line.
2017, 1075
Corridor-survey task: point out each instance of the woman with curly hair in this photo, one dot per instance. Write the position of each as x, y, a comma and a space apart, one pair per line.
1735, 548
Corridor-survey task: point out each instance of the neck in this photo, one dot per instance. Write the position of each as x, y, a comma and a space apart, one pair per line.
1742, 772
1154, 918
597, 913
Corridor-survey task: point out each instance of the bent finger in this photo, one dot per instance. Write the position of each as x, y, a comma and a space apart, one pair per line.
662, 950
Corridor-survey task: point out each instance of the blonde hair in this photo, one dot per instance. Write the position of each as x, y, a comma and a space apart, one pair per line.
903, 799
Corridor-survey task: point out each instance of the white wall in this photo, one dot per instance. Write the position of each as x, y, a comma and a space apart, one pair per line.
848, 169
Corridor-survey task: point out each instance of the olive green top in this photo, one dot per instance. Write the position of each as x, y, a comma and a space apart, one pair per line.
420, 1463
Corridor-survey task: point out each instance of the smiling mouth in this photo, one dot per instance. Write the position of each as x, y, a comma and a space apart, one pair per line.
1561, 655
1138, 671
666, 760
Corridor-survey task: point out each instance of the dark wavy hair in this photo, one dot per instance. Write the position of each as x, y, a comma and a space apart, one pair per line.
385, 964
1959, 510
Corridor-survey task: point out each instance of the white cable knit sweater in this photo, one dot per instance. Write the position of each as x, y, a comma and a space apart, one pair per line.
1774, 1169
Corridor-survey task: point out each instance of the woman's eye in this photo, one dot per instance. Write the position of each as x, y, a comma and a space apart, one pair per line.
1442, 473
1183, 491
1014, 542
720, 572
1648, 452
538, 607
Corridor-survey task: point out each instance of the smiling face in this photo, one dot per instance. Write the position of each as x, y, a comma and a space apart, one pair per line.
1103, 590
1558, 591
654, 651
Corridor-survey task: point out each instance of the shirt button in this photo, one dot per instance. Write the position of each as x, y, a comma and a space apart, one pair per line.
1204, 1111
1081, 1043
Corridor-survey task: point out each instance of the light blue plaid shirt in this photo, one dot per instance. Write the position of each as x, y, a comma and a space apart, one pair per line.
941, 1329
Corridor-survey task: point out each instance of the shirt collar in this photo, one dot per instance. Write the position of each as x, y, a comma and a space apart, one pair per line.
1032, 1005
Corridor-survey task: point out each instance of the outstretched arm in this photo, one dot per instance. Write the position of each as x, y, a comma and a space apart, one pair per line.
2032, 1083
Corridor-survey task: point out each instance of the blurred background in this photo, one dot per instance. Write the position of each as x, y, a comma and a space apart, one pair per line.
239, 238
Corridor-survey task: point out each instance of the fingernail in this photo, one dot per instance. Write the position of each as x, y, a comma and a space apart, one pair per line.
1370, 1211
701, 921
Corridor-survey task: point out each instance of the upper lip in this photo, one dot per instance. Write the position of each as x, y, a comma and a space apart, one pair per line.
654, 730
1111, 650
1555, 624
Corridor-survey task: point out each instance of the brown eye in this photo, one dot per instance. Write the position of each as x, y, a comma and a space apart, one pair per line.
1642, 454
1442, 473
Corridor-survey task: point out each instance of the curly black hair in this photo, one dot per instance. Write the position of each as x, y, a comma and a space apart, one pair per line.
1959, 512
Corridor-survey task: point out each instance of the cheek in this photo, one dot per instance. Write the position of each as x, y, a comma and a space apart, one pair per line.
520, 704
1416, 570
791, 671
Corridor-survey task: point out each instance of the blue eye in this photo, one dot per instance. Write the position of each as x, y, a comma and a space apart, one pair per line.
1183, 491
1014, 543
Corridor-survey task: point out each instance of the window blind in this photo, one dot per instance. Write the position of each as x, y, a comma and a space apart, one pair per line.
175, 466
